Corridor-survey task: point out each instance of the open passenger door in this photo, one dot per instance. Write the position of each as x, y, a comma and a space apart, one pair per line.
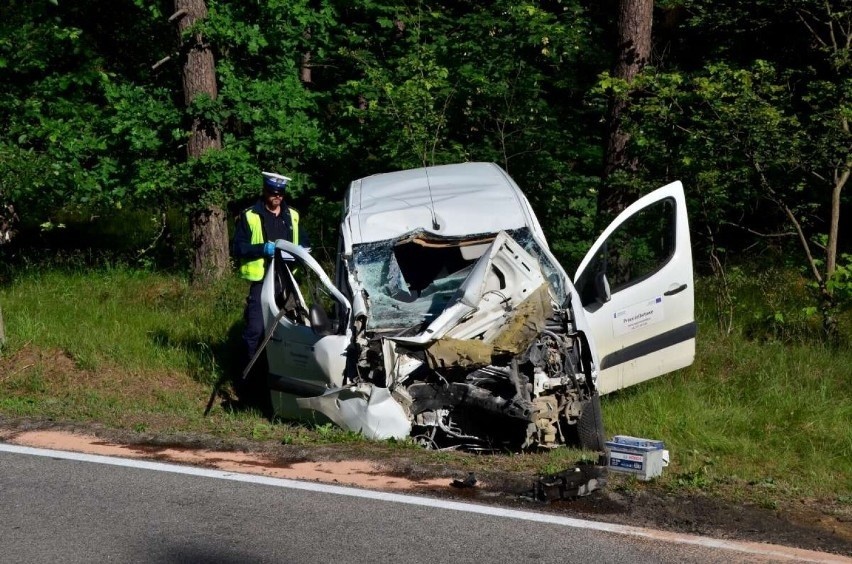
307, 350
636, 287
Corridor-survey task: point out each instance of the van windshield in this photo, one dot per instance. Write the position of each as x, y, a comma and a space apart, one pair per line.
412, 279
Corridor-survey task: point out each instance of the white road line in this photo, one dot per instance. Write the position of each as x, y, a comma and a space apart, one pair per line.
759, 549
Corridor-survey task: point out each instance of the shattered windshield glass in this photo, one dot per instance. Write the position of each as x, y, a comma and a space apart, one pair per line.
552, 272
411, 280
396, 303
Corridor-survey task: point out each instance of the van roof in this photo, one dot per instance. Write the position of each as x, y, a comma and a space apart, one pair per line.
449, 201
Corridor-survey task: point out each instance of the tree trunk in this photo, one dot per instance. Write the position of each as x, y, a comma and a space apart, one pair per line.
8, 219
841, 176
208, 227
209, 234
7, 224
634, 49
305, 70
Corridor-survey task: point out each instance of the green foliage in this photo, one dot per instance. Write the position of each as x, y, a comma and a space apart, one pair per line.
393, 85
699, 474
431, 84
54, 134
755, 128
745, 103
728, 124
88, 129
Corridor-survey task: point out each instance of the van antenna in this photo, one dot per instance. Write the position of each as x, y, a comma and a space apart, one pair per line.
435, 224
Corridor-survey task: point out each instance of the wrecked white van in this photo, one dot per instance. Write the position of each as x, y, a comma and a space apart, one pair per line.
450, 321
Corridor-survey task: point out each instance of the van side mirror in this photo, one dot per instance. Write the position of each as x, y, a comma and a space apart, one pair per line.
320, 322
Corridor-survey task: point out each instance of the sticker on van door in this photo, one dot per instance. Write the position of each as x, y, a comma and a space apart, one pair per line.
638, 316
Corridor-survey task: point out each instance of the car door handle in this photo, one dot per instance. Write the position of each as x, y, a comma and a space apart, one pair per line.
680, 288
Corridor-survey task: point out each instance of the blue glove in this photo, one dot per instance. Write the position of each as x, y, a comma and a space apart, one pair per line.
269, 249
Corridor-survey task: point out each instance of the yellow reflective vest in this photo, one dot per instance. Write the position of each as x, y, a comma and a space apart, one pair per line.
253, 269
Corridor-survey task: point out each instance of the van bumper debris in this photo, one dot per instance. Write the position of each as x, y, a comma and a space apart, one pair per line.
572, 483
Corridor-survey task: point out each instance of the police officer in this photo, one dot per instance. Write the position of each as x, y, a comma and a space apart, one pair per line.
256, 230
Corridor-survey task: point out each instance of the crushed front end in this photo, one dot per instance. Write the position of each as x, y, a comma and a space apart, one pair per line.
474, 339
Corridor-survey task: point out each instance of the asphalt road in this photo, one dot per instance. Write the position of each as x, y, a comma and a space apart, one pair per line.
60, 510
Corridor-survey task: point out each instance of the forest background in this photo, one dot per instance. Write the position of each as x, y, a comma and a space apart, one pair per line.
747, 102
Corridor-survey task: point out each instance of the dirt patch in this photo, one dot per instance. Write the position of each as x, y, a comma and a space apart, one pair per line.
361, 473
57, 373
811, 524
29, 357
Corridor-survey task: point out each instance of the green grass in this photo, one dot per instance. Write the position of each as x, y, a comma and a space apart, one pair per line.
753, 412
768, 406
763, 414
129, 319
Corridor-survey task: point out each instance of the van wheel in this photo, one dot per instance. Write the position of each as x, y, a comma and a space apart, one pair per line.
590, 427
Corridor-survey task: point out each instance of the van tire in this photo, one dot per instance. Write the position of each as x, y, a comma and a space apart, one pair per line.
590, 427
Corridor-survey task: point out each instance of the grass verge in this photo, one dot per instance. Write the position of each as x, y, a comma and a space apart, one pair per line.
752, 419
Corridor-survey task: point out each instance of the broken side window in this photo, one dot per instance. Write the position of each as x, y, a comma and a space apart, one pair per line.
637, 249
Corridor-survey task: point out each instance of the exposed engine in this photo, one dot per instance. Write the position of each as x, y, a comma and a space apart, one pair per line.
529, 400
